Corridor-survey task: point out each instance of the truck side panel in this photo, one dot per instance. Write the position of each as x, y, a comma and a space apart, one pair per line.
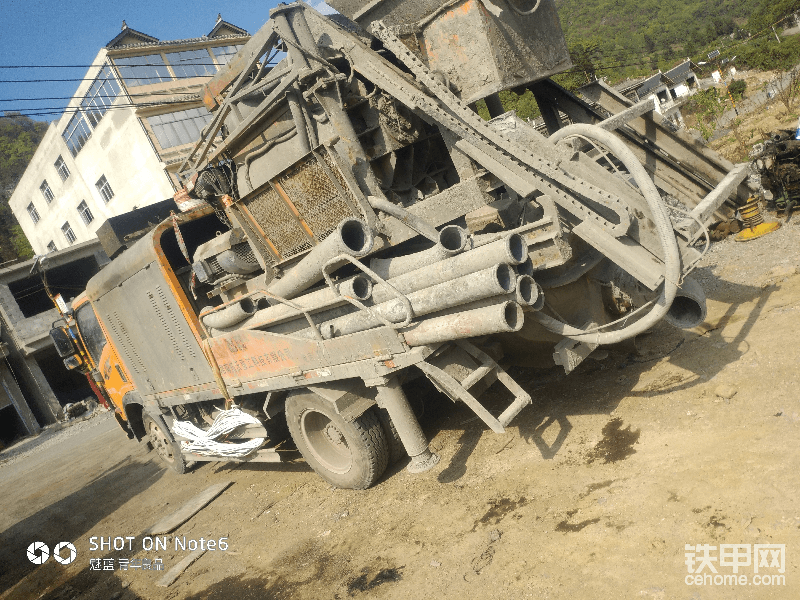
146, 324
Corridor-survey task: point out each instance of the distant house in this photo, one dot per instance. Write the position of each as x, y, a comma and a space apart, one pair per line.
669, 89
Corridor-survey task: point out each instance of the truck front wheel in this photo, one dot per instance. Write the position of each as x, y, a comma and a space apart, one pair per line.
348, 454
168, 450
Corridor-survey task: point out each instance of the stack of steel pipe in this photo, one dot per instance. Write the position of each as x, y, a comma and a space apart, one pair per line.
454, 289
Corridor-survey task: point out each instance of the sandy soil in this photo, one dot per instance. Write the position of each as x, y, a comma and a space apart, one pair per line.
593, 492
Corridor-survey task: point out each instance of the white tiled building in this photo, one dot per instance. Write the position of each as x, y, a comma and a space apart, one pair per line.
125, 131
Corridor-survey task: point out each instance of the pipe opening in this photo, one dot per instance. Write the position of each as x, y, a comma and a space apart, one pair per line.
517, 248
361, 287
506, 277
247, 305
262, 303
685, 312
513, 315
525, 289
538, 303
453, 238
354, 235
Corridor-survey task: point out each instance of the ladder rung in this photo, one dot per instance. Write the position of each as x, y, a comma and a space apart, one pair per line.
477, 375
514, 409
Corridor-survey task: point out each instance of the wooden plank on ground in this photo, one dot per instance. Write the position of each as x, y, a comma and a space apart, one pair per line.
187, 511
175, 572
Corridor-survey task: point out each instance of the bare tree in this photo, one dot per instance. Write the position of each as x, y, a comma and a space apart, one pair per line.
787, 89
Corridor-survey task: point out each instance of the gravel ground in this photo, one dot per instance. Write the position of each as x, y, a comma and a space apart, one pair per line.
52, 435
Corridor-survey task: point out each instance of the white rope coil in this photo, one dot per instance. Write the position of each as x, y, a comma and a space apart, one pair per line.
204, 442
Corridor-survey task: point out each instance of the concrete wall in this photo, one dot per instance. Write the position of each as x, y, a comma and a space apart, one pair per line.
27, 348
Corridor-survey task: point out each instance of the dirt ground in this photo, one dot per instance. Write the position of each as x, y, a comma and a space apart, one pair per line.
593, 492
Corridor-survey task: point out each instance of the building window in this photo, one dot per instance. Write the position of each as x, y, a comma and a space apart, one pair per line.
33, 213
68, 233
100, 96
191, 63
143, 70
105, 190
224, 54
46, 192
77, 133
62, 169
95, 103
178, 128
85, 213
51, 247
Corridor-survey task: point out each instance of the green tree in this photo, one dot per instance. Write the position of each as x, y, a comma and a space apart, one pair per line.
707, 108
19, 138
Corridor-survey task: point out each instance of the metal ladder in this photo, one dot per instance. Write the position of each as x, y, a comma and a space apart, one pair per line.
460, 390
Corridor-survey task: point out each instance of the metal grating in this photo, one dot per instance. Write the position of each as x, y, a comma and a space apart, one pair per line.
245, 252
315, 196
121, 333
170, 323
278, 223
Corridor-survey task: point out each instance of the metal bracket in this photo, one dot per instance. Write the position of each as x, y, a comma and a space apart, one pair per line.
377, 279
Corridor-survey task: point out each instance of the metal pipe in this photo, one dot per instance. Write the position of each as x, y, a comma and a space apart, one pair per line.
511, 249
393, 399
398, 212
358, 287
490, 282
299, 119
529, 294
498, 318
227, 317
689, 307
525, 268
351, 237
451, 240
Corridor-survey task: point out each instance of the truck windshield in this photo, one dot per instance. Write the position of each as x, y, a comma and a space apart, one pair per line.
90, 331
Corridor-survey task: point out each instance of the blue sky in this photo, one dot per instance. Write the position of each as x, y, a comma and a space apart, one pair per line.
48, 33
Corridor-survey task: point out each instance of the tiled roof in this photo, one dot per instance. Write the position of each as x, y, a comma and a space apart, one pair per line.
222, 24
178, 42
128, 32
680, 73
651, 83
148, 40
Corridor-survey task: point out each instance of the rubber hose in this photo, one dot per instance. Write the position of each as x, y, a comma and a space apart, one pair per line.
672, 259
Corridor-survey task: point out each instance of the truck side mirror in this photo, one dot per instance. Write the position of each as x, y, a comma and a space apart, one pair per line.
73, 362
63, 342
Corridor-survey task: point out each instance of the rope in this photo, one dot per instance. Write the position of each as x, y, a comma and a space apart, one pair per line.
185, 252
204, 442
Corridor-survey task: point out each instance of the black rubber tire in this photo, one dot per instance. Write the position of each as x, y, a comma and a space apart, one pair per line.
168, 449
396, 449
351, 455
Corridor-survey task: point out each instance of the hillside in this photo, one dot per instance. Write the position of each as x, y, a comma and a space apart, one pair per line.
19, 137
625, 38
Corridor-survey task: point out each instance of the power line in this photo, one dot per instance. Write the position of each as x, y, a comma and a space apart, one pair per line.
98, 66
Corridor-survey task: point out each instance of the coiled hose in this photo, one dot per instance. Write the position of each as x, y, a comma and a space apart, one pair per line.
672, 259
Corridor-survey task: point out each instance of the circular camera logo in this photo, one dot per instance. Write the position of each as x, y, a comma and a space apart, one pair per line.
38, 553
57, 553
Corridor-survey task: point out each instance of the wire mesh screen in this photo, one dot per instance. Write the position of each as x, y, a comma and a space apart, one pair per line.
278, 223
316, 198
